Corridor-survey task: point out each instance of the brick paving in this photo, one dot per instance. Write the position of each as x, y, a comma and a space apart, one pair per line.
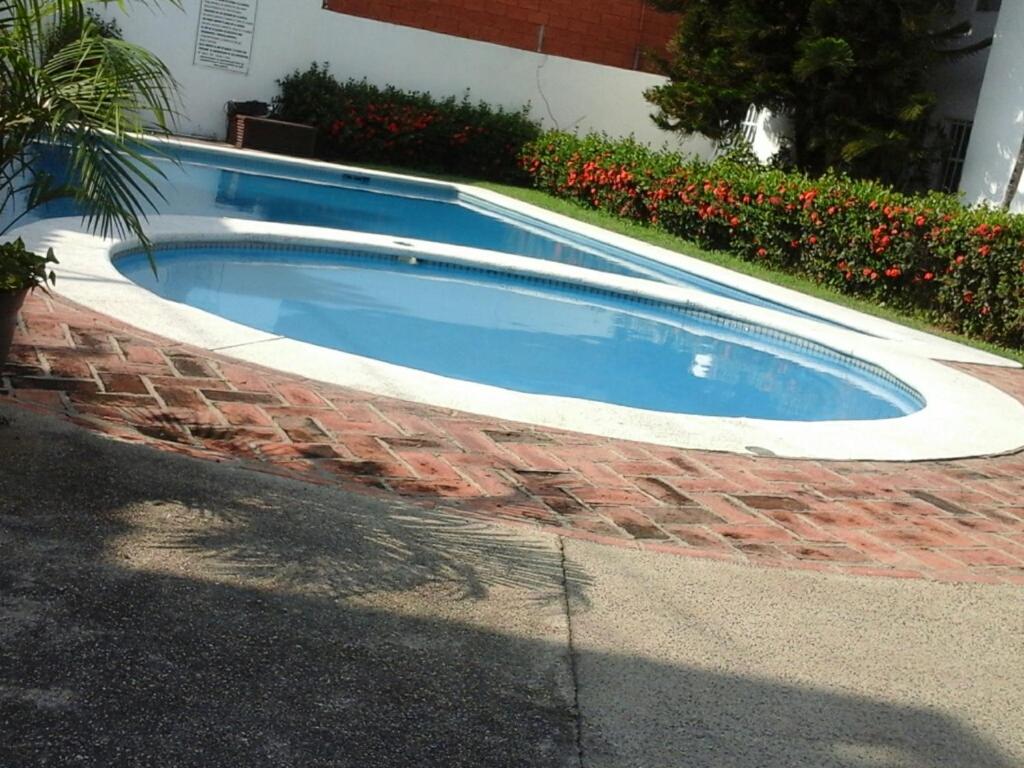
951, 520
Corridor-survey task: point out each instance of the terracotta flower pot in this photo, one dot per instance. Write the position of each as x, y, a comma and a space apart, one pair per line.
10, 304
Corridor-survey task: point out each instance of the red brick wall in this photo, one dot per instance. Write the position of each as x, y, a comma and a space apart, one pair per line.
601, 31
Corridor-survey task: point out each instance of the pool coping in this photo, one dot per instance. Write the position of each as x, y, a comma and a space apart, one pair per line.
963, 416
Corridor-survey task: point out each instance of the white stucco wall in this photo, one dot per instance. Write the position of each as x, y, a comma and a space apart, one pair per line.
999, 122
290, 34
958, 83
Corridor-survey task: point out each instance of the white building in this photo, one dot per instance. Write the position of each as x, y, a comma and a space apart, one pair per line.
981, 98
998, 117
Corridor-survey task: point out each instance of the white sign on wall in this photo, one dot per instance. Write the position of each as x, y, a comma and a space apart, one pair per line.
224, 35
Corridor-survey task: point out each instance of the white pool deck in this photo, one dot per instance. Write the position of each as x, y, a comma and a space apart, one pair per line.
963, 416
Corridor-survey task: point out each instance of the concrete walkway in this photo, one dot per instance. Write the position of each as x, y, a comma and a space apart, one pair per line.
161, 610
711, 665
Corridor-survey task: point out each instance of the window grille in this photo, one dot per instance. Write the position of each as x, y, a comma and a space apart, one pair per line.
748, 128
958, 134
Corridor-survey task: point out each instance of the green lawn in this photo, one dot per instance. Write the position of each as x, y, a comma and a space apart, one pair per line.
721, 258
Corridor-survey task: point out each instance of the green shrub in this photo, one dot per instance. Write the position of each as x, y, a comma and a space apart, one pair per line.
359, 122
962, 268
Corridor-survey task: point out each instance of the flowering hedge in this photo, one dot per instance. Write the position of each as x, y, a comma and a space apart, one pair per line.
962, 268
359, 122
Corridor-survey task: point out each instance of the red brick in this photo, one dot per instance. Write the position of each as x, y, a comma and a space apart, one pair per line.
490, 481
837, 514
51, 383
600, 474
124, 383
445, 489
564, 504
115, 399
470, 437
181, 397
762, 552
192, 367
727, 510
603, 454
235, 396
243, 377
605, 496
1003, 491
342, 426
704, 484
72, 365
51, 399
800, 526
635, 524
143, 355
533, 457
935, 560
95, 341
648, 468
245, 413
208, 416
678, 516
301, 429
914, 536
663, 490
983, 557
375, 468
300, 395
833, 554
697, 537
429, 467
875, 549
762, 503
752, 533
413, 424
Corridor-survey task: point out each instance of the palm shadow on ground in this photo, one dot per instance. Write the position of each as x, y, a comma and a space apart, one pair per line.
156, 610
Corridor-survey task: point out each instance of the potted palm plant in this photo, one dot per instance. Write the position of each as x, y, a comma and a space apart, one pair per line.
70, 83
21, 271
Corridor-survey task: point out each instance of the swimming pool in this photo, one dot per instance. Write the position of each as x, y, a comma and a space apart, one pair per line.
521, 333
553, 323
200, 182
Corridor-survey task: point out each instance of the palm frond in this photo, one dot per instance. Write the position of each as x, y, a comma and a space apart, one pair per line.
69, 84
956, 54
952, 32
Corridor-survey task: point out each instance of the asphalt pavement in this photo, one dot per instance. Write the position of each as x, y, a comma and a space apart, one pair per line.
157, 610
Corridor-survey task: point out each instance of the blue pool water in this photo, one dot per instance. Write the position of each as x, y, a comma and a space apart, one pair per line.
522, 334
205, 183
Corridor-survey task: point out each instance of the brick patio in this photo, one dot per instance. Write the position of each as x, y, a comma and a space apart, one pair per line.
951, 521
